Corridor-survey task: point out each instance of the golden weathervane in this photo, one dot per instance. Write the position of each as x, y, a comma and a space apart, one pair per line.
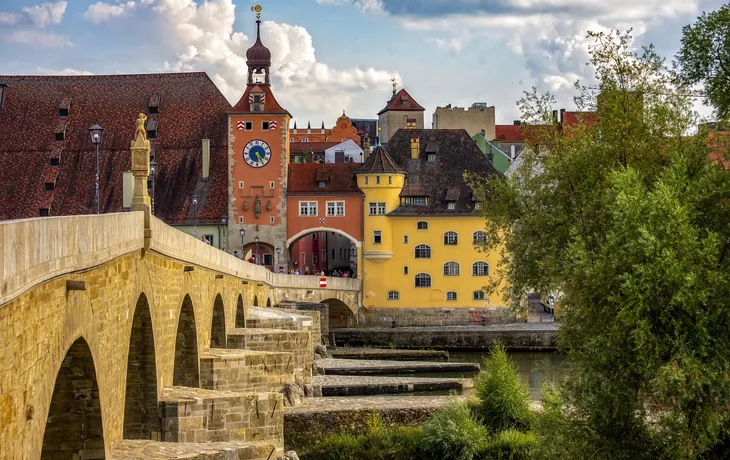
257, 9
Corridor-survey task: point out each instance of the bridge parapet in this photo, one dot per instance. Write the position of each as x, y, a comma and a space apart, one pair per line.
37, 250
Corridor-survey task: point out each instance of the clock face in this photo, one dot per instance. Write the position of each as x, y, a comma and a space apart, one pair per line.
257, 153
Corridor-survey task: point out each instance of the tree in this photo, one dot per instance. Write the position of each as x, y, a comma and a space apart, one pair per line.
624, 215
705, 57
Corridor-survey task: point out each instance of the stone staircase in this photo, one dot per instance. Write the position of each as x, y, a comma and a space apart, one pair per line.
238, 410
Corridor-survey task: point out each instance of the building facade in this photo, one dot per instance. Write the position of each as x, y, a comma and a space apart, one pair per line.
477, 118
401, 111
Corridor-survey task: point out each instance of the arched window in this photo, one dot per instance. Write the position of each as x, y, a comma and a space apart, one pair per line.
393, 295
423, 280
423, 251
480, 269
422, 225
451, 269
451, 238
451, 295
479, 238
478, 295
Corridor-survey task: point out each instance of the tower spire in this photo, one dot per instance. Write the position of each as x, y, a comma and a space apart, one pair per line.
258, 57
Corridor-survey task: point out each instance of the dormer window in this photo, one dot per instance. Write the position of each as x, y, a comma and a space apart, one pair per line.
420, 200
257, 102
50, 186
322, 178
404, 103
322, 184
153, 105
152, 129
3, 90
432, 158
451, 206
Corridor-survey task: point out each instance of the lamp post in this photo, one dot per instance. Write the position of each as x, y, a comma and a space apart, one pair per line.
256, 240
224, 222
242, 231
278, 258
194, 201
96, 132
153, 170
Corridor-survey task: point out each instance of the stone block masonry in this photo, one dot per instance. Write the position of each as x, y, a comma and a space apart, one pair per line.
427, 317
246, 370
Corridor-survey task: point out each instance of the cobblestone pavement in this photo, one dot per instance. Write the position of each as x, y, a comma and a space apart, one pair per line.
388, 353
356, 385
334, 366
368, 403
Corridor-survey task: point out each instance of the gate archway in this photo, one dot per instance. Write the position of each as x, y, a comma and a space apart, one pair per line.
186, 372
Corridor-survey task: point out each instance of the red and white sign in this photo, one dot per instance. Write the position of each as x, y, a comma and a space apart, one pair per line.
323, 282
321, 220
272, 125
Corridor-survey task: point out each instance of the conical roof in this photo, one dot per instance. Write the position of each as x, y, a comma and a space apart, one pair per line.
380, 162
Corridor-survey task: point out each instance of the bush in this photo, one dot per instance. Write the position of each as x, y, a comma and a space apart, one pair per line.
503, 401
337, 447
510, 445
453, 433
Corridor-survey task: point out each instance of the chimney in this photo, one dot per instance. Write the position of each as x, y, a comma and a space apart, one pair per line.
517, 122
562, 112
206, 158
366, 146
415, 147
339, 156
512, 152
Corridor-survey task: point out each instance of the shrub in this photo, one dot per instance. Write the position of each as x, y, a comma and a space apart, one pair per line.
503, 401
453, 433
510, 445
336, 447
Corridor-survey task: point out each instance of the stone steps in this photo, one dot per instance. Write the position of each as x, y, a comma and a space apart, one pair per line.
297, 342
335, 366
231, 450
201, 415
249, 371
359, 385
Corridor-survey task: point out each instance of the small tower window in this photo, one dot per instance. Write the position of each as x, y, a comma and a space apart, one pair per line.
153, 105
60, 137
43, 212
63, 112
432, 158
451, 206
265, 125
50, 186
55, 162
152, 129
377, 179
366, 180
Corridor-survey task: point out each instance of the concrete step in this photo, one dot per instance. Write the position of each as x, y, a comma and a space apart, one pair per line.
278, 340
232, 450
359, 385
248, 371
388, 353
201, 415
334, 366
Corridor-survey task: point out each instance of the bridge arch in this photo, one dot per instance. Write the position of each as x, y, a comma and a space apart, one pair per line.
186, 370
141, 409
268, 302
307, 231
240, 313
74, 426
218, 324
255, 301
340, 314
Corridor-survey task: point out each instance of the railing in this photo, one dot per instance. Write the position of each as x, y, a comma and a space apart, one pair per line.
35, 250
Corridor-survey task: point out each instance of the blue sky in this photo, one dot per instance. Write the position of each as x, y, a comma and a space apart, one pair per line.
331, 55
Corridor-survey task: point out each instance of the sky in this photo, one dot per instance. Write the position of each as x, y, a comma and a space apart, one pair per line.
335, 55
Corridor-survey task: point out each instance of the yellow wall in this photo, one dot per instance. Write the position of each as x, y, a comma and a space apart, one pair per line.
383, 263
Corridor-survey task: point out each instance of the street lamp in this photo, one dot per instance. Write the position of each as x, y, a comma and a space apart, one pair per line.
256, 240
194, 200
224, 221
153, 170
242, 231
96, 132
278, 258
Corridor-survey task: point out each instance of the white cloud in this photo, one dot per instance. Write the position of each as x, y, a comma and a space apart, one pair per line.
453, 45
7, 18
101, 12
46, 14
34, 37
66, 71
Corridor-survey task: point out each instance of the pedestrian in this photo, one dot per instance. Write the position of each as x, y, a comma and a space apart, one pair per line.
236, 255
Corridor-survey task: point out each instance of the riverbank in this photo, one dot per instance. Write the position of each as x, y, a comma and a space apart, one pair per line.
514, 336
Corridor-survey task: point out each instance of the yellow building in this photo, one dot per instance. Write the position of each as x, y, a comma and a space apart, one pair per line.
422, 223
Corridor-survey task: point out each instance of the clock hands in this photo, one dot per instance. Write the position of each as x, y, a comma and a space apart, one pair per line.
261, 160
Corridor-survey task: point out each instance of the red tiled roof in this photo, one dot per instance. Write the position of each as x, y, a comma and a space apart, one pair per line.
314, 147
191, 108
511, 133
270, 104
303, 179
396, 102
380, 162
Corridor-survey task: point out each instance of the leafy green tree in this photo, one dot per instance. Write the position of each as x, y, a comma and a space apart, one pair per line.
452, 433
625, 216
705, 57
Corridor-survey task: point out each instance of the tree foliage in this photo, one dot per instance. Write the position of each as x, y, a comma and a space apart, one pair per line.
627, 218
705, 57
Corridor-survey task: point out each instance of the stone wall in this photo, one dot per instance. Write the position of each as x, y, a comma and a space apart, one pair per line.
384, 317
245, 371
319, 314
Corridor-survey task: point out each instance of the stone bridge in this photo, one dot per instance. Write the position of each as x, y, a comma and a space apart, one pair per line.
106, 320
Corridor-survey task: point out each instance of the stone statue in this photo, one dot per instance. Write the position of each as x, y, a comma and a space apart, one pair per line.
257, 207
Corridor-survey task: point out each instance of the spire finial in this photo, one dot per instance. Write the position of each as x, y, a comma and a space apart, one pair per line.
257, 9
393, 81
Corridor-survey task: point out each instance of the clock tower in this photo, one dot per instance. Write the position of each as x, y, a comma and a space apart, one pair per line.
258, 159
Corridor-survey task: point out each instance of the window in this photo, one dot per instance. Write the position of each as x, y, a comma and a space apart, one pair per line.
314, 259
420, 201
480, 269
405, 239
240, 184
43, 212
451, 269
210, 239
265, 125
477, 206
272, 220
152, 134
366, 180
377, 237
307, 208
390, 179
478, 295
451, 238
335, 208
381, 209
322, 184
63, 112
50, 186
59, 137
431, 157
271, 184
306, 139
451, 295
333, 254
240, 220
423, 280
269, 259
373, 208
377, 179
422, 225
314, 236
405, 269
257, 99
451, 206
479, 238
154, 110
423, 251
304, 258
341, 253
393, 295
3, 90
249, 125
404, 103
55, 162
